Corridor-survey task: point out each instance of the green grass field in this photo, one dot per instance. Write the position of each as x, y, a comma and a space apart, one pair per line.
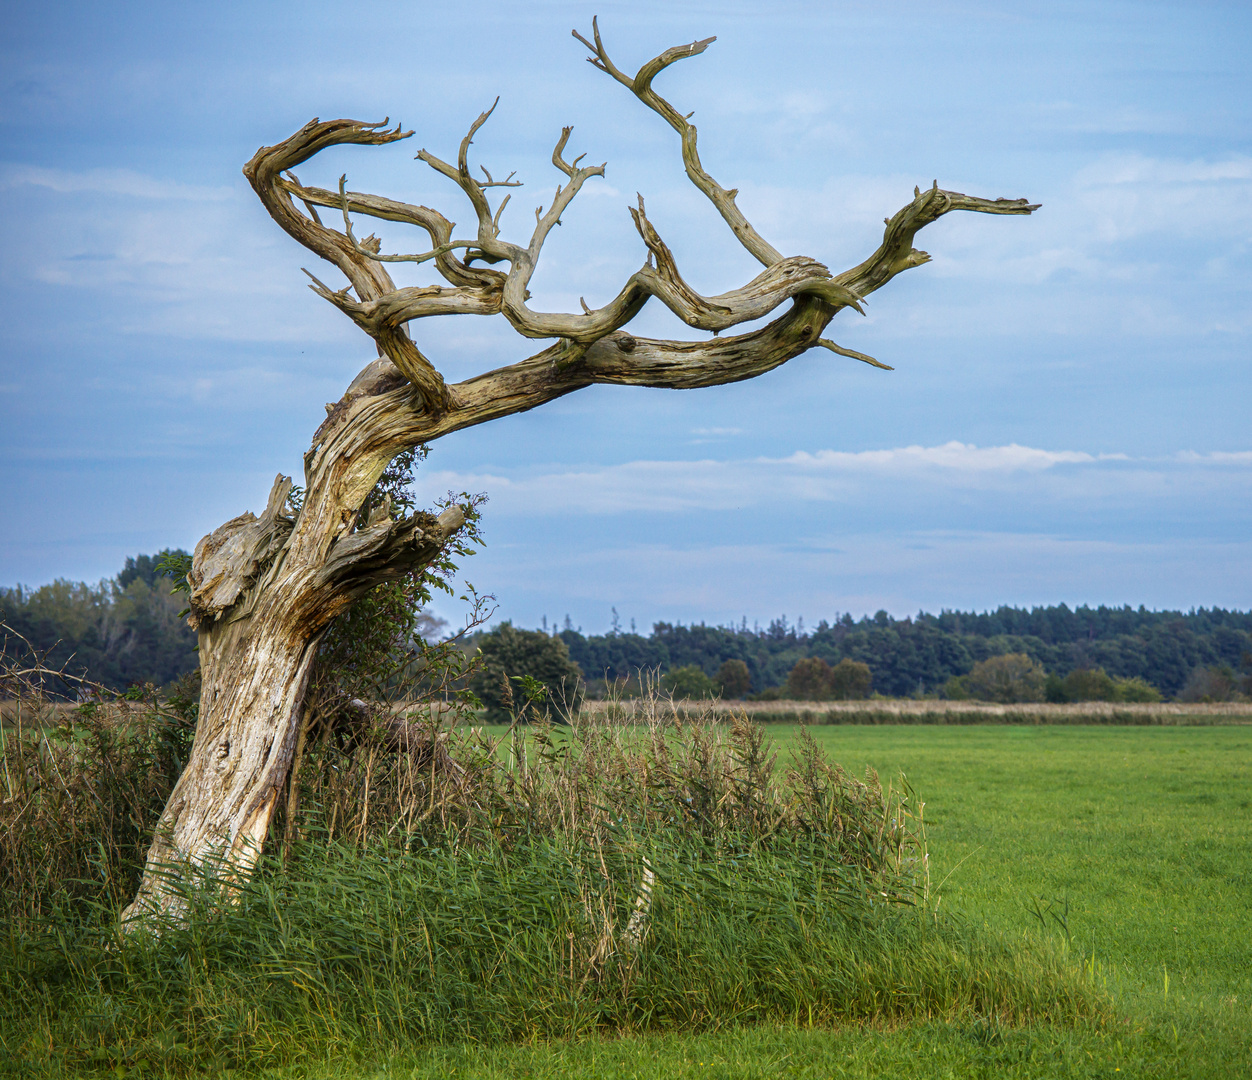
1133, 844
1124, 849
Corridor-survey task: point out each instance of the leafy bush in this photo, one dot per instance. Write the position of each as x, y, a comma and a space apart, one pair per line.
1094, 684
1089, 684
1011, 678
510, 656
850, 680
1217, 682
733, 679
1137, 691
688, 682
809, 680
812, 679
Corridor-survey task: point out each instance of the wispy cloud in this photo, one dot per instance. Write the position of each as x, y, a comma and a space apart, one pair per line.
919, 474
1217, 457
124, 182
954, 456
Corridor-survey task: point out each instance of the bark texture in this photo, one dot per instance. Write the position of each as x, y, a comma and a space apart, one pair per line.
265, 588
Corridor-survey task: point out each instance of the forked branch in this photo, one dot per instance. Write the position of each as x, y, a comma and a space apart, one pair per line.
897, 254
641, 86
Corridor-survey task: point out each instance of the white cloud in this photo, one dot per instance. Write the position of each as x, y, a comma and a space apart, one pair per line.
1216, 457
123, 182
910, 474
952, 456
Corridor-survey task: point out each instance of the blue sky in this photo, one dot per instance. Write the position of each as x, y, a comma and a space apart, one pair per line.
1069, 415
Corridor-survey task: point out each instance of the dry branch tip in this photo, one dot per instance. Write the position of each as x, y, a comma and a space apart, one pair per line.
825, 343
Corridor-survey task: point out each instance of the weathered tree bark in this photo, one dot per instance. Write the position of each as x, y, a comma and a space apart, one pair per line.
263, 590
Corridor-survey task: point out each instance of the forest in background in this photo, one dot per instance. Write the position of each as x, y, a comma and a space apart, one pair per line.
127, 630
123, 631
918, 655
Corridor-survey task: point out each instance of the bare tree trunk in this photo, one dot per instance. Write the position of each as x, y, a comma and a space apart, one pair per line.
265, 589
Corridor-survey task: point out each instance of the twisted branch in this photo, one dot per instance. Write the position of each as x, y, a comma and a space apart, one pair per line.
365, 274
897, 254
591, 346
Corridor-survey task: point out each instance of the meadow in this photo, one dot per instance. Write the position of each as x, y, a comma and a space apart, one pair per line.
1130, 849
1092, 885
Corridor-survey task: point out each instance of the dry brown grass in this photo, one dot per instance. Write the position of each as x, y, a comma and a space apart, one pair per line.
904, 711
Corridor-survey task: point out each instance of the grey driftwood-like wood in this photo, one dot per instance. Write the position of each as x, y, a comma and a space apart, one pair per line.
264, 589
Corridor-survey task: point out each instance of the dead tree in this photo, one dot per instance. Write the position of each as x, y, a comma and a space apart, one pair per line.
263, 590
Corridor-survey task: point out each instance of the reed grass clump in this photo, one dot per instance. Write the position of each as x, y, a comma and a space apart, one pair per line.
81, 786
431, 883
347, 951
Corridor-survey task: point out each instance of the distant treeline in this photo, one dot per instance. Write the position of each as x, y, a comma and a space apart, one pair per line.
920, 654
126, 631
121, 632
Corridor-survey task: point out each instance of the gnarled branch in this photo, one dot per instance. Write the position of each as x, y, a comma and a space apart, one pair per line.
897, 254
366, 275
591, 345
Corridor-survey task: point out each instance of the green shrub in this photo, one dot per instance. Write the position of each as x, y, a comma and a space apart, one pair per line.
1094, 684
733, 679
688, 682
509, 656
1089, 684
850, 680
1216, 682
956, 689
809, 680
1010, 678
1054, 689
1136, 690
812, 679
